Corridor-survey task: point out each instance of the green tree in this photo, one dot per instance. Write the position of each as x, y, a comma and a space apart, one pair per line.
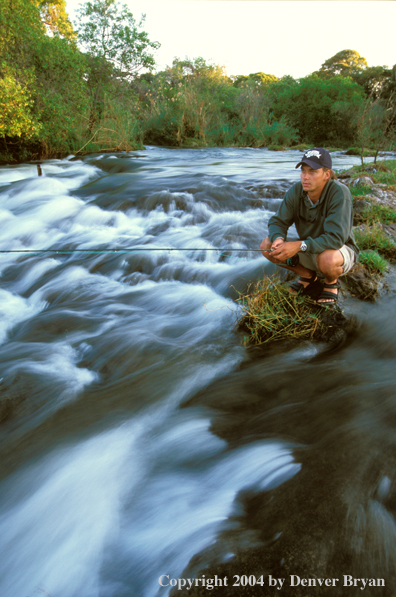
53, 15
117, 49
316, 107
42, 86
258, 79
376, 125
344, 63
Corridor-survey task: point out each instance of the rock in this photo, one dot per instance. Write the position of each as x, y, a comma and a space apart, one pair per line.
390, 230
364, 181
362, 284
346, 174
384, 196
359, 207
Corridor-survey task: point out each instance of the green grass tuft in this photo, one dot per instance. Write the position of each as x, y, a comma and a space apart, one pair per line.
360, 190
373, 261
379, 213
374, 238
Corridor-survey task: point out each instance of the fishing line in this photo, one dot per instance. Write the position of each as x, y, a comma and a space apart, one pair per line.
136, 250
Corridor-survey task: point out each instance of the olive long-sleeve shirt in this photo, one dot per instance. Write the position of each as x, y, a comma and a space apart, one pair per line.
327, 224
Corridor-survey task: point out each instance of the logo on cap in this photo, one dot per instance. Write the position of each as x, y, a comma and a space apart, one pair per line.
312, 153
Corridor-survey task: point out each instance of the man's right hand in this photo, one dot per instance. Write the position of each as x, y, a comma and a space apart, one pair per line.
278, 242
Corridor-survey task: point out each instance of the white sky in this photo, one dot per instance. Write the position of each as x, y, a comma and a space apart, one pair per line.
280, 38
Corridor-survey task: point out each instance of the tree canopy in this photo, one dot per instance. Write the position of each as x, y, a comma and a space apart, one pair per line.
343, 63
109, 31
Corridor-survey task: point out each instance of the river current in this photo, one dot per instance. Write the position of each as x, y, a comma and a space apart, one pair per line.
139, 437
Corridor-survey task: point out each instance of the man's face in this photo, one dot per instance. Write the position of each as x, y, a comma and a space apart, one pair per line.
313, 181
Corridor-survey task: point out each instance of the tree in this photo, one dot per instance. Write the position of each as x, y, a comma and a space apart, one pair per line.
54, 17
257, 79
116, 47
344, 63
376, 125
309, 105
42, 89
108, 31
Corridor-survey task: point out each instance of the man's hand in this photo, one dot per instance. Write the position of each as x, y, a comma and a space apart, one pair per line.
278, 242
282, 250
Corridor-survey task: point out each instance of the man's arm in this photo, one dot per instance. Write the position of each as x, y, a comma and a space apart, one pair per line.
337, 224
279, 223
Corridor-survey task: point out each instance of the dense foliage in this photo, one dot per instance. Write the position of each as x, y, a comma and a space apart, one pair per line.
66, 91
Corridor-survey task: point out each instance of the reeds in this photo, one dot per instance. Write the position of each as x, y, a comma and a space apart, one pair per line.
270, 312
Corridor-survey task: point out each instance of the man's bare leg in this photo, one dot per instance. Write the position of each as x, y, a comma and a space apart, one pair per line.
330, 263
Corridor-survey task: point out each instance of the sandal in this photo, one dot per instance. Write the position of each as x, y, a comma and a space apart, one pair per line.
309, 290
326, 297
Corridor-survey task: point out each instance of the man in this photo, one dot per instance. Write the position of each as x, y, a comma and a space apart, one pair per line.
321, 209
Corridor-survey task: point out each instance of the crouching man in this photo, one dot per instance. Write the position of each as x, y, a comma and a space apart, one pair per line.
321, 209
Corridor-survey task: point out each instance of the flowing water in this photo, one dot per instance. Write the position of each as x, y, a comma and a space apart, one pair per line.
139, 438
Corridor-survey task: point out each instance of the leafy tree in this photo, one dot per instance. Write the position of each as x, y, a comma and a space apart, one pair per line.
344, 63
53, 15
116, 47
376, 125
309, 105
109, 31
373, 79
257, 79
42, 86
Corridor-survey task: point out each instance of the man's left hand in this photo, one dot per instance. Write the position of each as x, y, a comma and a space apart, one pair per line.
286, 250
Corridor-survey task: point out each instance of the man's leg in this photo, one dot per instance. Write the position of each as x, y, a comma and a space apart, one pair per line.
302, 271
330, 263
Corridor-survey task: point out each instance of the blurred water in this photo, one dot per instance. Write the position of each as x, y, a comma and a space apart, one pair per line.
136, 430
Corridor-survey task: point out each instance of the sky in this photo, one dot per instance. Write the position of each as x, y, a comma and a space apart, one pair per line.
279, 37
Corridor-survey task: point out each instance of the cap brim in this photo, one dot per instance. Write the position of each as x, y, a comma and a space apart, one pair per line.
310, 163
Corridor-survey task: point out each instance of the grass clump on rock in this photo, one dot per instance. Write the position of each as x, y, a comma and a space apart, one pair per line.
379, 213
373, 261
270, 312
374, 238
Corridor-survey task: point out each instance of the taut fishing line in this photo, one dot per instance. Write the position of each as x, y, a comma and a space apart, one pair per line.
136, 250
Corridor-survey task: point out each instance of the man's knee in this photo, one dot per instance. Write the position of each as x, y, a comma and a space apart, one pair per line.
329, 260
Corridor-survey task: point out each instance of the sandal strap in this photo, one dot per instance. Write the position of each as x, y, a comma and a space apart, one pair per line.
311, 279
328, 295
335, 285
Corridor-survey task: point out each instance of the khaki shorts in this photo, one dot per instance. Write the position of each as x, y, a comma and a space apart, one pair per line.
308, 260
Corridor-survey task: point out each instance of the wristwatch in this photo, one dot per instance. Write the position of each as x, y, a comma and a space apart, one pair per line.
303, 246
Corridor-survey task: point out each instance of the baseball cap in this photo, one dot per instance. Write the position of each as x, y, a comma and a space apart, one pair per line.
316, 158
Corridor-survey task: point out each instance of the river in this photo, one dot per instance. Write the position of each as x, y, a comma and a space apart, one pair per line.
140, 439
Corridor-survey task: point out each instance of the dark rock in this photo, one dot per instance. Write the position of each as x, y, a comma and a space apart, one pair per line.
346, 174
362, 283
359, 207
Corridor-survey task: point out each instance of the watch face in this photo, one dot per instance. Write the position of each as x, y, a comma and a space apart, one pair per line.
303, 246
